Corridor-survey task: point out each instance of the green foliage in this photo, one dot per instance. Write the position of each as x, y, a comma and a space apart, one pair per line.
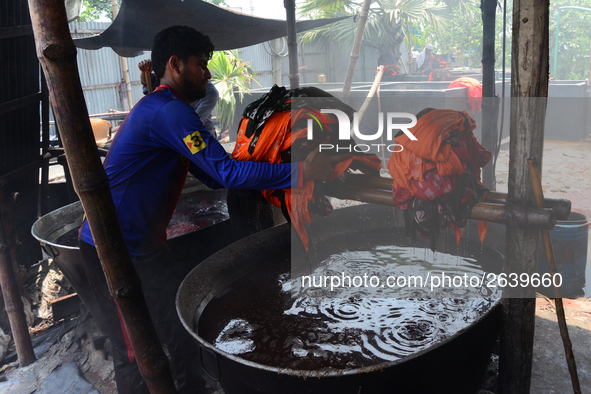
574, 40
390, 22
230, 76
218, 2
94, 9
463, 37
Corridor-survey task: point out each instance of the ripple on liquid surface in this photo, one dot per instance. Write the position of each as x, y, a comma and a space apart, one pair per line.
258, 320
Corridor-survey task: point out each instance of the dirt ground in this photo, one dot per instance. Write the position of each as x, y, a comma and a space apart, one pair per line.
566, 174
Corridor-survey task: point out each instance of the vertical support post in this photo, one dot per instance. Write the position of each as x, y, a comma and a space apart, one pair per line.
356, 49
43, 204
124, 66
292, 44
57, 54
12, 298
529, 88
554, 69
489, 115
276, 62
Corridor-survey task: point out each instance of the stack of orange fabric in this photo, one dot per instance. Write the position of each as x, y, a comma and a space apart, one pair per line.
427, 152
431, 153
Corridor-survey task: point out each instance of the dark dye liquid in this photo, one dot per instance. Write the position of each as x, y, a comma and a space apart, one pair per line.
257, 319
69, 239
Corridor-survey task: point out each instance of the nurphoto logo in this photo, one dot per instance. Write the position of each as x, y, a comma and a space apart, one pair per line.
345, 131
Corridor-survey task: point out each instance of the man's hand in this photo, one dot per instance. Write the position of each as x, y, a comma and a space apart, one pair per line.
145, 65
318, 166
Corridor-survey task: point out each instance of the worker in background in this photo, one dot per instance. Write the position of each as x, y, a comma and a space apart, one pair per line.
425, 60
203, 107
161, 140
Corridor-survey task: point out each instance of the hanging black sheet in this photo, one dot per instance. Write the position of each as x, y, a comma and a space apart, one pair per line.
139, 21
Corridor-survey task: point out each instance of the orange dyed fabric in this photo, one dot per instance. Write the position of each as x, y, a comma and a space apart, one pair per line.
427, 152
474, 91
482, 227
277, 137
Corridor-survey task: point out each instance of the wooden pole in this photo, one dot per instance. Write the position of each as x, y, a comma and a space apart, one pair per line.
529, 90
374, 87
276, 62
561, 207
536, 179
43, 202
292, 44
356, 49
486, 212
12, 298
124, 66
57, 54
489, 115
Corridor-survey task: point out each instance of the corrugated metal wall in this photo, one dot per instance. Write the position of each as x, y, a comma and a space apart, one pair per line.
101, 74
313, 59
19, 123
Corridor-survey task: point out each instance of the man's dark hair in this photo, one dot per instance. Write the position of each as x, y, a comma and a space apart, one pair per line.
182, 41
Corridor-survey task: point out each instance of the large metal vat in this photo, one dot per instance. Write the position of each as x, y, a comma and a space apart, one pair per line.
196, 244
454, 365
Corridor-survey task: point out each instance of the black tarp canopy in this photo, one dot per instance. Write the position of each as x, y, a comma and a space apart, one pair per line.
139, 21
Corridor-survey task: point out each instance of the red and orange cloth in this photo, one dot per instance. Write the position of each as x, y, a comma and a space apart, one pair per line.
276, 138
428, 168
474, 91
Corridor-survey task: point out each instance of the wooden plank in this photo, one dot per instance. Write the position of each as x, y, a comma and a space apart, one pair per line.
65, 306
16, 31
20, 102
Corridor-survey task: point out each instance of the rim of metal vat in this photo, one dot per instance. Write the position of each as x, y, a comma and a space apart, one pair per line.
64, 219
71, 214
187, 307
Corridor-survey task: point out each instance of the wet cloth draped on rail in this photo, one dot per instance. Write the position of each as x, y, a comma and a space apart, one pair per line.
436, 179
273, 129
474, 91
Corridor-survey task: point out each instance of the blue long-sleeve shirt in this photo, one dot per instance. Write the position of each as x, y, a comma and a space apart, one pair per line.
162, 139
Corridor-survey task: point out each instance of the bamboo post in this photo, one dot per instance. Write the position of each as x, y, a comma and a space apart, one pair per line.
43, 202
561, 207
496, 213
534, 173
57, 54
124, 66
374, 87
12, 298
292, 44
356, 49
529, 90
276, 62
489, 115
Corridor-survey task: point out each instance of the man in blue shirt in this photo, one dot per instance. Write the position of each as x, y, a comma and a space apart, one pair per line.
162, 139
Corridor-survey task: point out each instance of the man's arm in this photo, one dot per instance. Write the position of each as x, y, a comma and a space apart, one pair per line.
185, 134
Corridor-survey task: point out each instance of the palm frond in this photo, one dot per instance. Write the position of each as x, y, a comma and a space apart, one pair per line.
325, 8
230, 76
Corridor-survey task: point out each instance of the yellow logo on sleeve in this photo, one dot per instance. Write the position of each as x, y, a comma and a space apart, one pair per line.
195, 142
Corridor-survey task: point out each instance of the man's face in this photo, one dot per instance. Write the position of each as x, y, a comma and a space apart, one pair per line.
194, 75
